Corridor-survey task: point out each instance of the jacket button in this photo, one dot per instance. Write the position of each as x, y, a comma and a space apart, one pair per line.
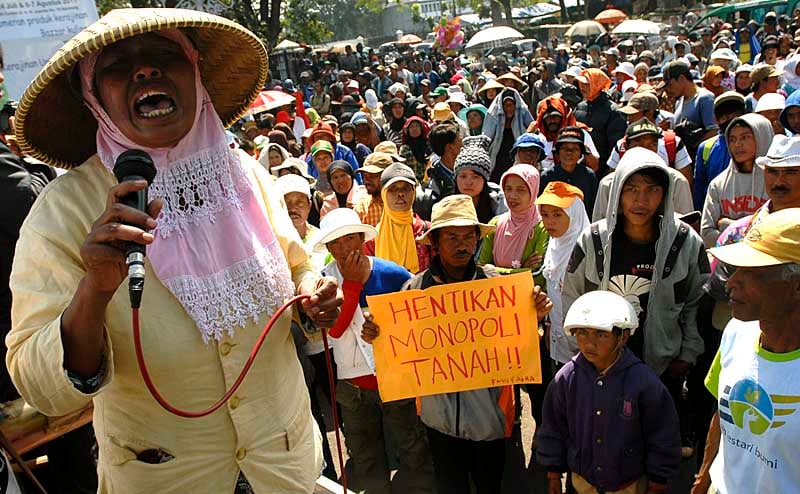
600, 382
598, 412
225, 348
599, 468
234, 402
241, 453
599, 440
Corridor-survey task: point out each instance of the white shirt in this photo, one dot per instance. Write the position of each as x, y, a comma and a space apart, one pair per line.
759, 395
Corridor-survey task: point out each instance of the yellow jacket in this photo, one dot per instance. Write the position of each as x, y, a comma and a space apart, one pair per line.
265, 430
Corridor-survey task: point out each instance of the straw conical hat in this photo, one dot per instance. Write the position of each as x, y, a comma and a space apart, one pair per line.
54, 125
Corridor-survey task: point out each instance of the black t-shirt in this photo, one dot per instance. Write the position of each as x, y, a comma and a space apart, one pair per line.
631, 273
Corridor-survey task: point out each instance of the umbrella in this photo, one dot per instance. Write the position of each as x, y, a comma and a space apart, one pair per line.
409, 39
340, 48
637, 26
611, 16
286, 45
269, 100
586, 29
494, 36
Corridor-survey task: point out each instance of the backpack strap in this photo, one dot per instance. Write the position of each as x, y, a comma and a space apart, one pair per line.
707, 148
671, 145
598, 250
672, 256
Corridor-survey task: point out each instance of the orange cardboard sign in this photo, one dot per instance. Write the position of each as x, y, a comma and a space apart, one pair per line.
456, 337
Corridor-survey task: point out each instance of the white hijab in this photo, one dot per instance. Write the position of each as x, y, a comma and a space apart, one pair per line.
556, 260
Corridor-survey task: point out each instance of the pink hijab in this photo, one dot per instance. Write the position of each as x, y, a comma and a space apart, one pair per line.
218, 256
514, 229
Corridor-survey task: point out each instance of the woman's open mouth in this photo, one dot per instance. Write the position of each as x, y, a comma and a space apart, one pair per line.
154, 104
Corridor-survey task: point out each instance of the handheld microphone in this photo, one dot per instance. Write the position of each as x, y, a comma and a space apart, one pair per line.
135, 165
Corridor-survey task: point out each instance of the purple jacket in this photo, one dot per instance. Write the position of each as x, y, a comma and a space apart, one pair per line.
609, 429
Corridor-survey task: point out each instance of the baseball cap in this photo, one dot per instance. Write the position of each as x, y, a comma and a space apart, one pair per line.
397, 172
612, 51
773, 241
673, 70
388, 147
570, 134
320, 146
440, 91
293, 183
528, 141
641, 102
728, 96
784, 152
764, 71
559, 194
359, 117
376, 162
624, 68
641, 127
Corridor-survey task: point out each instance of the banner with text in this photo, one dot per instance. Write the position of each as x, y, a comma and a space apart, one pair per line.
32, 30
456, 337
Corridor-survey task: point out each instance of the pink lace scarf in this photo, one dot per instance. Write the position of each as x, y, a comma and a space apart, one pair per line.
215, 249
514, 229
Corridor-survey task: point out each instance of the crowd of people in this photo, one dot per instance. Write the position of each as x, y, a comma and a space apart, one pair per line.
652, 192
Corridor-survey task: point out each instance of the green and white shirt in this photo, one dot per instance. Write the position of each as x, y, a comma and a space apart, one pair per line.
758, 393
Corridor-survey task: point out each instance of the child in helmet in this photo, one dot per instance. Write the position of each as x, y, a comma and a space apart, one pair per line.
608, 419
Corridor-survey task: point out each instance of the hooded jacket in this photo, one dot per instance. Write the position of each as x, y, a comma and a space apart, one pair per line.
494, 123
792, 101
638, 426
734, 194
670, 328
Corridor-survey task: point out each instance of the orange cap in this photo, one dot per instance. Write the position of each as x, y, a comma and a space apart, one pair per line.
559, 194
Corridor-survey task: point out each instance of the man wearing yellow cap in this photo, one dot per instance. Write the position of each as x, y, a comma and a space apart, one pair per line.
752, 443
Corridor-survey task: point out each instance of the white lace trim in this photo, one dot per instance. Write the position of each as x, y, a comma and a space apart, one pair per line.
222, 301
198, 188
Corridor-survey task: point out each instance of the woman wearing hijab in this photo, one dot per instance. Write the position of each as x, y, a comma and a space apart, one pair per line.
273, 155
415, 148
712, 79
600, 114
474, 115
507, 118
346, 191
564, 217
374, 107
520, 240
347, 138
167, 82
399, 226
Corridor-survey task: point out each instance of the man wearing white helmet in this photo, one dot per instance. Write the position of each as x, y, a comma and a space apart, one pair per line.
605, 404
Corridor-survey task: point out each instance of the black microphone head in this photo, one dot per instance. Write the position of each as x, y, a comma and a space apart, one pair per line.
135, 162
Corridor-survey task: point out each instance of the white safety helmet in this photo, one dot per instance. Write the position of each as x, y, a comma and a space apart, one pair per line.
600, 310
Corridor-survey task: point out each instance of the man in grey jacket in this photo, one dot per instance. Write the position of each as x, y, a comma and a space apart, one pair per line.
658, 263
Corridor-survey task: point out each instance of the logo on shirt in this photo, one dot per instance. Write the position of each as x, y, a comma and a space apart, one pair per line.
630, 287
749, 406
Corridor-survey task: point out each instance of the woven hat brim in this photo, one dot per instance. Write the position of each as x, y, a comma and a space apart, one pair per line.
485, 229
54, 125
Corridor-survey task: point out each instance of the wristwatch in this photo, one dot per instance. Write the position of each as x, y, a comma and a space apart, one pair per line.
91, 384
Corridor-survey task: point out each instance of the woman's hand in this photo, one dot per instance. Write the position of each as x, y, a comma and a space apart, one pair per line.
326, 298
370, 330
533, 261
542, 303
103, 252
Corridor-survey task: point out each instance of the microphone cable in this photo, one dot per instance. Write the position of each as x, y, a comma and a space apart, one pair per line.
137, 343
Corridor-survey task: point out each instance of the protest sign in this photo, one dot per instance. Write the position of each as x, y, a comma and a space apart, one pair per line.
456, 337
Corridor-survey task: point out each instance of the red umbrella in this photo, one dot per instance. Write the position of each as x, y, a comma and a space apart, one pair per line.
611, 16
269, 100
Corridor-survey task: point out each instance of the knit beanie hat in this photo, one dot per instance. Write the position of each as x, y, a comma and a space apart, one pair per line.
474, 156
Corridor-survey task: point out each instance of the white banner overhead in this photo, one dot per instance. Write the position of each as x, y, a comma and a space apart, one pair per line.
32, 30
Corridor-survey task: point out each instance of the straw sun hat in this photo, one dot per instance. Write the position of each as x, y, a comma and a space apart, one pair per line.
454, 210
54, 125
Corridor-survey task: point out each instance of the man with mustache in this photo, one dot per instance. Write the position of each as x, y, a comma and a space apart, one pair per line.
466, 430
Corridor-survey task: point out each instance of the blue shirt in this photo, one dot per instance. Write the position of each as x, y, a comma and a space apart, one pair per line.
386, 277
698, 109
339, 153
706, 171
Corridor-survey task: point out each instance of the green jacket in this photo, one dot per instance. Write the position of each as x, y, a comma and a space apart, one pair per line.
537, 244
